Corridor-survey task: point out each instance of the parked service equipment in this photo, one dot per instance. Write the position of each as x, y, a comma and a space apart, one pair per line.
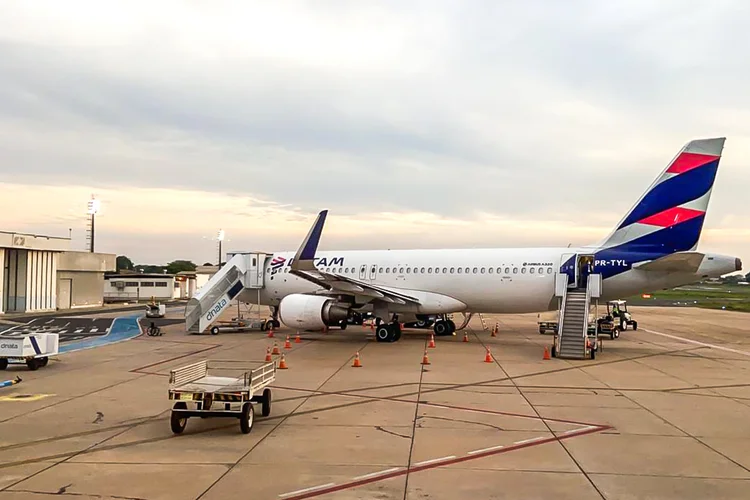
33, 348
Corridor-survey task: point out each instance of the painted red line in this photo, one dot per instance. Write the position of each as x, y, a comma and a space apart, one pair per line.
440, 405
465, 458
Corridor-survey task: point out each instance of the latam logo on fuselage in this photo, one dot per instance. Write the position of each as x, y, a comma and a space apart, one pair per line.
278, 263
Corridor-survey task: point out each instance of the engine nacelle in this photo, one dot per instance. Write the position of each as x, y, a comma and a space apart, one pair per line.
310, 312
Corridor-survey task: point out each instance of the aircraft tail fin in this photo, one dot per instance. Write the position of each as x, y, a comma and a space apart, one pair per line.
669, 216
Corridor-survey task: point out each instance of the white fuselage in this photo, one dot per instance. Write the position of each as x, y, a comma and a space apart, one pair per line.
512, 280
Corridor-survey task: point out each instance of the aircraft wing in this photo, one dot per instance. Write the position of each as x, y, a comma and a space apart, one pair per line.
304, 267
686, 262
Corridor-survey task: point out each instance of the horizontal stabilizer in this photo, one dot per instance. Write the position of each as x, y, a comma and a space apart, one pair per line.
681, 262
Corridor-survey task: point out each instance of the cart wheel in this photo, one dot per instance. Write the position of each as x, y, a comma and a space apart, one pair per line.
262, 327
214, 330
593, 353
3, 363
554, 351
247, 417
542, 331
33, 364
635, 325
266, 404
43, 361
617, 333
177, 421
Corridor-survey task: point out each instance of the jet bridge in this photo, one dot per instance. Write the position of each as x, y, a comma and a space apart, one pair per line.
243, 270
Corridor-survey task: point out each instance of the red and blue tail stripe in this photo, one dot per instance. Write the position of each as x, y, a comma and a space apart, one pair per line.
669, 216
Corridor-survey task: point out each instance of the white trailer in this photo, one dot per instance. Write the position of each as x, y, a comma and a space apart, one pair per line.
198, 394
33, 348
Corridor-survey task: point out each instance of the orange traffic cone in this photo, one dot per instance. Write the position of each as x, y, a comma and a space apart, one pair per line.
425, 359
270, 332
268, 354
282, 363
466, 337
297, 340
372, 325
356, 363
432, 340
546, 353
488, 356
494, 331
275, 348
287, 344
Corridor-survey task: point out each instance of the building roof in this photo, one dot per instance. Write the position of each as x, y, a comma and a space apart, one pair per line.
28, 241
108, 276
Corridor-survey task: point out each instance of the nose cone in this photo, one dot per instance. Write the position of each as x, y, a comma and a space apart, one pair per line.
737, 264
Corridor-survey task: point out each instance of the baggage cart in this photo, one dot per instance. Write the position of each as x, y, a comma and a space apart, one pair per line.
32, 348
196, 393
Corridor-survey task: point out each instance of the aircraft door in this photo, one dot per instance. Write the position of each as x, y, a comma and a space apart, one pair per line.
568, 266
363, 271
373, 272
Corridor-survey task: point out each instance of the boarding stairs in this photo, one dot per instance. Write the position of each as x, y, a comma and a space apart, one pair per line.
573, 322
242, 271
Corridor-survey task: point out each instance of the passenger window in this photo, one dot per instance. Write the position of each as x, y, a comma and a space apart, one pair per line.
475, 270
422, 270
453, 270
541, 270
481, 270
549, 270
523, 270
437, 270
429, 270
490, 270
408, 270
531, 270
459, 270
380, 270
507, 270
286, 269
515, 270
466, 270
401, 271
347, 270
445, 270
387, 270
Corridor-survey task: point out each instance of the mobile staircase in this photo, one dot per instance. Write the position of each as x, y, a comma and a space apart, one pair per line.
573, 340
241, 271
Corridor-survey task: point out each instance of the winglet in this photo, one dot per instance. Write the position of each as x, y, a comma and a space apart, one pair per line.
303, 260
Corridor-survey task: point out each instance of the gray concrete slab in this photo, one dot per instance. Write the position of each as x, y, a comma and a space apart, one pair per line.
650, 415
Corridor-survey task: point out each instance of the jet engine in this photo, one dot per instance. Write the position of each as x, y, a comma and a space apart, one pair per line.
311, 312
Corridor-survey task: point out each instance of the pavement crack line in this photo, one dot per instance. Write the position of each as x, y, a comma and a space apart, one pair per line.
281, 421
543, 420
414, 426
392, 433
87, 495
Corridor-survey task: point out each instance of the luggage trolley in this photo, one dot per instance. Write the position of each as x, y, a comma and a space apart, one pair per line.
198, 394
33, 348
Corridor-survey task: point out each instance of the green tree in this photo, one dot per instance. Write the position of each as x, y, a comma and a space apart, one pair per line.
177, 266
123, 262
207, 264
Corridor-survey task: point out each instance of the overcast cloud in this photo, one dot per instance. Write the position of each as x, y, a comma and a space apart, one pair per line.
508, 123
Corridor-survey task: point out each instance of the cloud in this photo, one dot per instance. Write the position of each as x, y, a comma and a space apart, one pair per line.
547, 114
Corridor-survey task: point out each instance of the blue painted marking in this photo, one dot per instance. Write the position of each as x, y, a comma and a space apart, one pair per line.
311, 246
674, 192
35, 345
124, 328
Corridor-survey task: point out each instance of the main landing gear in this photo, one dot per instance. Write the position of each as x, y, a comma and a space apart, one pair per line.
444, 328
388, 332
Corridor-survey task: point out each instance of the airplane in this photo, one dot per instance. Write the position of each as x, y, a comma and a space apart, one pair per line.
653, 247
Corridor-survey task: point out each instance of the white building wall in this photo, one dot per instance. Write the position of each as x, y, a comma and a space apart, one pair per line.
134, 289
2, 280
41, 281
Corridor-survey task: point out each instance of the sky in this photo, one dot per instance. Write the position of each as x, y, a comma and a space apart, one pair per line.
419, 124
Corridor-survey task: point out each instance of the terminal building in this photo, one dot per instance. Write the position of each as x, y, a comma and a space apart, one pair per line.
41, 273
138, 287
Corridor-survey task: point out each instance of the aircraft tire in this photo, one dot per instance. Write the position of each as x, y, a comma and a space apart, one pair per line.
441, 328
451, 326
383, 333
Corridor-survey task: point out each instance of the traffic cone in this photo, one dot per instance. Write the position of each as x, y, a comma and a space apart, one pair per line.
546, 353
466, 337
287, 344
297, 340
282, 363
494, 331
425, 359
356, 363
432, 341
270, 332
268, 354
275, 348
488, 356
372, 325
